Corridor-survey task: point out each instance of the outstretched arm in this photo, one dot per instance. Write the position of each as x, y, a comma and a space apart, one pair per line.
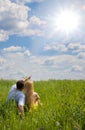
26, 78
21, 104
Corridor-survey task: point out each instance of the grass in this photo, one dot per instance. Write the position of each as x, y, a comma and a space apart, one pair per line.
63, 107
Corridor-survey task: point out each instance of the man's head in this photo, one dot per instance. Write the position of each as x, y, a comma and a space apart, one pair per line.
20, 85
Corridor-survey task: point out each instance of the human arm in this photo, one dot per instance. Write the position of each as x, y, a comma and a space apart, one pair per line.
26, 78
21, 104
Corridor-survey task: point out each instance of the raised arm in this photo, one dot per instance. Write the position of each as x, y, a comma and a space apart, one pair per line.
26, 78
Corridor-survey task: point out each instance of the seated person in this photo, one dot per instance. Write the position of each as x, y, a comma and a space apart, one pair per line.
12, 92
20, 96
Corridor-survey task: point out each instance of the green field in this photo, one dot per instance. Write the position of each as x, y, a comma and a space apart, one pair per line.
63, 107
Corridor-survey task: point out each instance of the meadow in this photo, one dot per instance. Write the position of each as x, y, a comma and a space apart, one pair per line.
63, 107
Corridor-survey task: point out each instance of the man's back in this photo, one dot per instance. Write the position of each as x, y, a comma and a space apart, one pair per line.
20, 98
12, 92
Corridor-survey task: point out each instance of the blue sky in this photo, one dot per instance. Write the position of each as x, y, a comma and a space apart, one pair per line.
42, 38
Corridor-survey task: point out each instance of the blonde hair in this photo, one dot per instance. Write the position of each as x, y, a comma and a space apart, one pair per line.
32, 98
28, 90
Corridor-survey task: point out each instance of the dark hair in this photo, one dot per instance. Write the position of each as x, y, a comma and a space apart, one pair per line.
20, 84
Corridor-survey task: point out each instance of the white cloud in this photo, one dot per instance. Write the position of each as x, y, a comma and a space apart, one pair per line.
56, 47
36, 21
27, 52
41, 67
31, 32
77, 68
20, 54
17, 50
2, 60
70, 48
76, 47
12, 13
12, 48
28, 1
81, 55
49, 62
3, 35
14, 20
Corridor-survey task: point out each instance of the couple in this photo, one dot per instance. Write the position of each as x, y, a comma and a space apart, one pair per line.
23, 93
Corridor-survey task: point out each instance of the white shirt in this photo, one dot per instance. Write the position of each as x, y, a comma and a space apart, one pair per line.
12, 92
20, 98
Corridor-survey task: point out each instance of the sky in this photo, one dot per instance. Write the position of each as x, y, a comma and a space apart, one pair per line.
42, 38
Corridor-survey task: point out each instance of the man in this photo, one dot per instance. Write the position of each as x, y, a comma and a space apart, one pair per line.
12, 92
16, 94
20, 96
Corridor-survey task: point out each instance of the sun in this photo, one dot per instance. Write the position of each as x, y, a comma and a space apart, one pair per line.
67, 21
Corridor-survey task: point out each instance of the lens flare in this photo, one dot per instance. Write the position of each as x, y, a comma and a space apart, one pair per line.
66, 21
